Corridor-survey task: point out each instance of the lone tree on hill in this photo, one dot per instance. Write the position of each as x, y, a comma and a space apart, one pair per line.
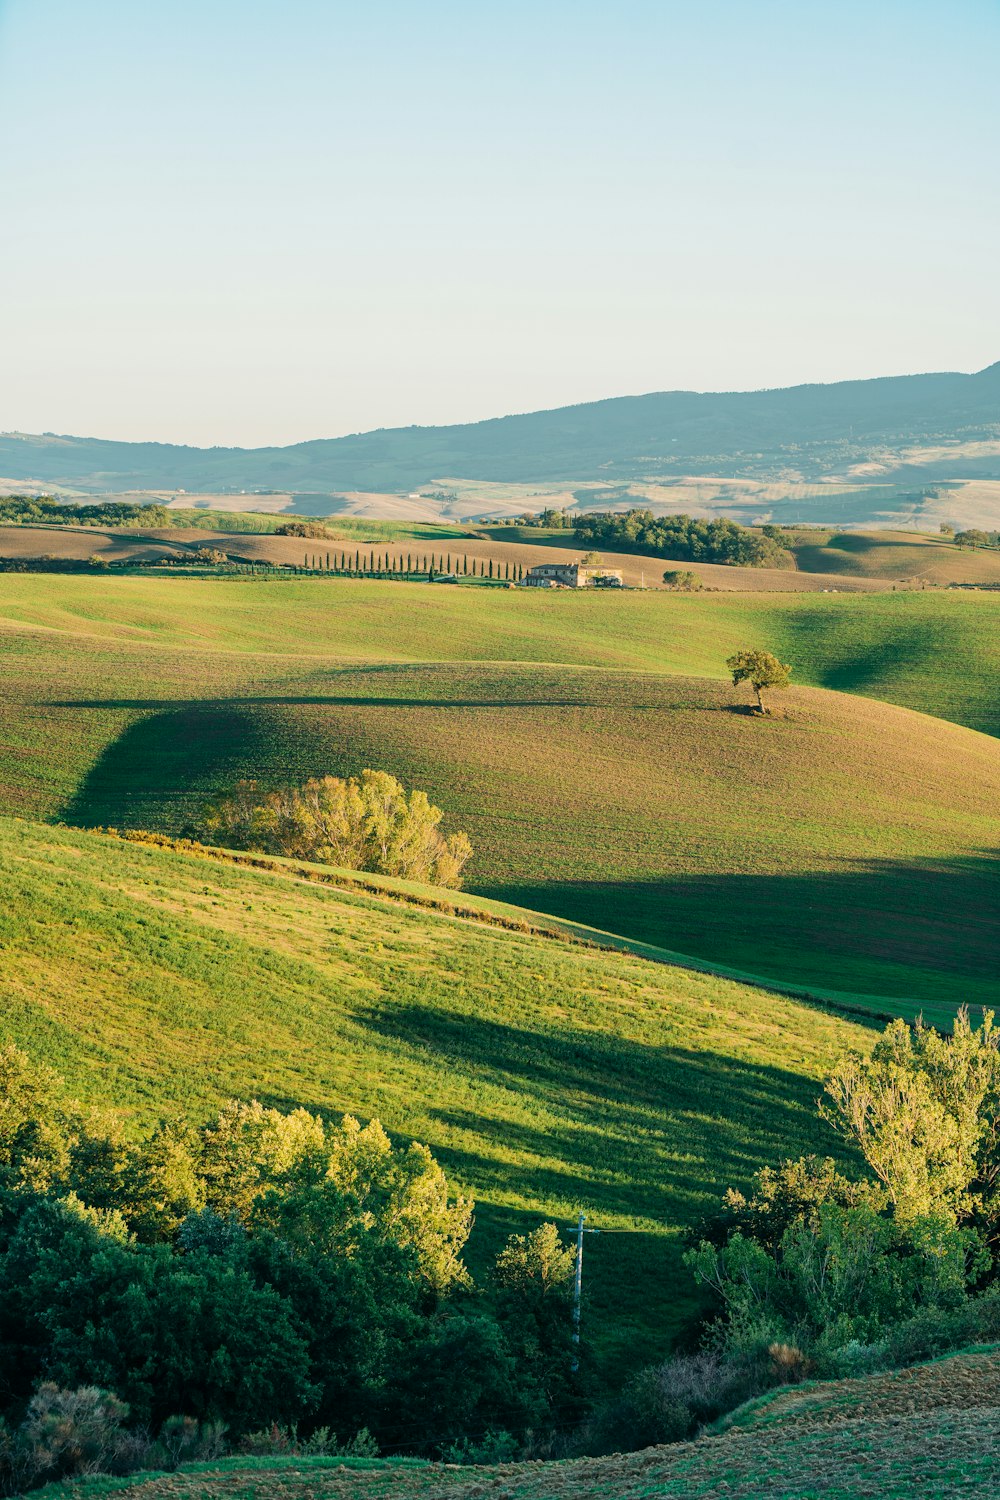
761, 670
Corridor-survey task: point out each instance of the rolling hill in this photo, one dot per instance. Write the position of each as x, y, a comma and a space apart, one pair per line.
547, 1076
586, 744
805, 431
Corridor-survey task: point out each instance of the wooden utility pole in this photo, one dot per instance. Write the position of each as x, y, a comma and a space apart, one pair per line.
578, 1283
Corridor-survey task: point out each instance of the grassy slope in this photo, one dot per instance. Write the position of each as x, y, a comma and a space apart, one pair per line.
896, 555
546, 1076
938, 653
931, 1431
844, 845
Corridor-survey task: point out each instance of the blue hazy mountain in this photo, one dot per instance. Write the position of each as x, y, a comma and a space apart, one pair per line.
809, 430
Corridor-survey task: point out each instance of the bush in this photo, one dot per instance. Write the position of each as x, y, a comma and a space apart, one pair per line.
67, 1432
366, 824
185, 1440
277, 1441
667, 1403
495, 1447
314, 529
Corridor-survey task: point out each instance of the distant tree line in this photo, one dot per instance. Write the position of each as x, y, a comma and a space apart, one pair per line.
268, 1271
28, 510
342, 563
684, 538
975, 538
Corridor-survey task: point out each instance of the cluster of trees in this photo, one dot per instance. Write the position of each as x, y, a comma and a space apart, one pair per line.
50, 564
372, 564
830, 1269
975, 538
366, 823
684, 538
682, 580
546, 520
27, 510
194, 557
268, 1268
814, 1271
303, 528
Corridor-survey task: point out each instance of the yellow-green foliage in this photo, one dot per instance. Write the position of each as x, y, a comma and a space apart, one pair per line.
366, 823
544, 1076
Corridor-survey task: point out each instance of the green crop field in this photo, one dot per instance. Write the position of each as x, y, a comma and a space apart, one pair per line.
546, 1076
842, 845
895, 554
931, 1431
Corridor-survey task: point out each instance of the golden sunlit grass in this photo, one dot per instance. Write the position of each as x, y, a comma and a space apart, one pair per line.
546, 1076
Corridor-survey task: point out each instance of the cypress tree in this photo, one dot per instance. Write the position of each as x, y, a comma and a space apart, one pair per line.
491, 567
465, 566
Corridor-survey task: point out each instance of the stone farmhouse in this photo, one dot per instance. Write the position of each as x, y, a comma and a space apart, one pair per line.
571, 576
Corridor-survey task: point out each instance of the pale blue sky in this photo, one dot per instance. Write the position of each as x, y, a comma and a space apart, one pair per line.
255, 221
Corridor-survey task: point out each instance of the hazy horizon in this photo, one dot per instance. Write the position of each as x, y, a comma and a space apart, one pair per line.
404, 426
254, 224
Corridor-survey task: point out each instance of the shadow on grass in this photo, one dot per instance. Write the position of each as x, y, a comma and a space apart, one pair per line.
918, 929
642, 1129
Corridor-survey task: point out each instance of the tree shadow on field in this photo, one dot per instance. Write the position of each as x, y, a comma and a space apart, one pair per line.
644, 1130
159, 772
923, 930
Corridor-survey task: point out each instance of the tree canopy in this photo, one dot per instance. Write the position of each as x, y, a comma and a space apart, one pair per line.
761, 669
685, 538
362, 824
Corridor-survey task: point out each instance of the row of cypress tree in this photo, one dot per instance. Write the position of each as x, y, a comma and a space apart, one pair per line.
372, 564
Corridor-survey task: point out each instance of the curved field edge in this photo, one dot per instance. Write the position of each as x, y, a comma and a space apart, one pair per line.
469, 906
942, 1444
547, 1076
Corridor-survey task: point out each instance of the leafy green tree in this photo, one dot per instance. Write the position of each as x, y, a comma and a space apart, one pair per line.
683, 580
532, 1285
924, 1110
35, 1130
761, 669
366, 824
837, 1276
779, 1196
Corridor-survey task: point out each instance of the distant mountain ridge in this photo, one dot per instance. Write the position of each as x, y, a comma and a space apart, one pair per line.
804, 431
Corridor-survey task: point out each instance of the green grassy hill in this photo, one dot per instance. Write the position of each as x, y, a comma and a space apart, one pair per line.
895, 555
842, 845
546, 1076
929, 1431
